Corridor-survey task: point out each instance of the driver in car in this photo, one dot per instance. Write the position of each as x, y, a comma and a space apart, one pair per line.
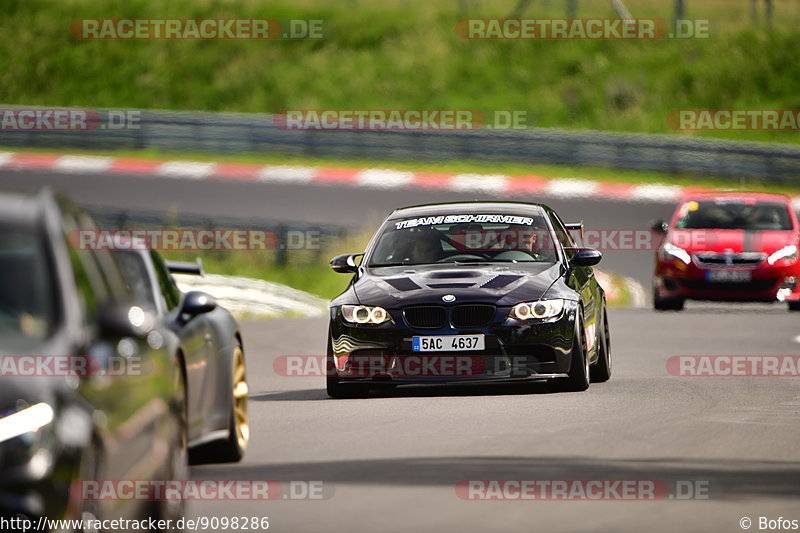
427, 247
535, 243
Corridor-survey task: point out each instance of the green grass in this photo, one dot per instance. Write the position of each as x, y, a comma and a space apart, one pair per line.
398, 54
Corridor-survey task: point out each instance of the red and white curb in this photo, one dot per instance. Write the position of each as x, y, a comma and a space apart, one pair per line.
374, 178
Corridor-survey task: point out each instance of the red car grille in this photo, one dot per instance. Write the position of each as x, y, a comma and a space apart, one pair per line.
742, 259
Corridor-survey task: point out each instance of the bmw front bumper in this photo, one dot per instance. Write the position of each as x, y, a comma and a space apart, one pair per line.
515, 350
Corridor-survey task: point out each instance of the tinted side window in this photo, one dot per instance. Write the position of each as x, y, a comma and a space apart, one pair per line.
562, 234
135, 270
85, 273
172, 295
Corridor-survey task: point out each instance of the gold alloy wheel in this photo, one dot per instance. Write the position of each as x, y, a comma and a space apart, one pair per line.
240, 391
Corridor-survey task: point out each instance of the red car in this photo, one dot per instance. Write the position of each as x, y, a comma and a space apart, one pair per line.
728, 246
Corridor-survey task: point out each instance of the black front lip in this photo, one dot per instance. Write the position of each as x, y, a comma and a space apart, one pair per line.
515, 350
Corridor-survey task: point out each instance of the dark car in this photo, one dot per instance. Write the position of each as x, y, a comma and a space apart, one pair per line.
469, 292
209, 350
88, 388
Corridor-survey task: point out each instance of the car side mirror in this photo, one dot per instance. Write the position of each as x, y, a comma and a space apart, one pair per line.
196, 303
585, 257
345, 264
118, 319
659, 226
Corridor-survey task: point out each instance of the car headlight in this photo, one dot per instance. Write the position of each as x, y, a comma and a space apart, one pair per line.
24, 442
364, 314
676, 251
787, 252
25, 421
540, 309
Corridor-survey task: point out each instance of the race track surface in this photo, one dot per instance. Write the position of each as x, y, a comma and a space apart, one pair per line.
391, 462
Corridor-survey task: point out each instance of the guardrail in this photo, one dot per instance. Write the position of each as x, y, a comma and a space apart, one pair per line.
257, 133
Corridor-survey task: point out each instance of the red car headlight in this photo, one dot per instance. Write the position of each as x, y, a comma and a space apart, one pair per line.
787, 252
669, 250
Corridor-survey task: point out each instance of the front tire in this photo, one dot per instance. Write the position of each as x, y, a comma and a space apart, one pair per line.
794, 306
231, 450
578, 376
601, 371
667, 304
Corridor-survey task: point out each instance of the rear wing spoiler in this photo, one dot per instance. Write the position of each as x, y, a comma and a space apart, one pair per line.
575, 226
185, 267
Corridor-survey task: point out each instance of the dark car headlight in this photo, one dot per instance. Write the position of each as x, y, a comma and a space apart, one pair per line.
537, 310
22, 440
27, 420
365, 314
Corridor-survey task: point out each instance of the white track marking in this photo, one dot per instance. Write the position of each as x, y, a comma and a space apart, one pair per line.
186, 169
83, 163
485, 183
287, 174
571, 188
378, 178
656, 193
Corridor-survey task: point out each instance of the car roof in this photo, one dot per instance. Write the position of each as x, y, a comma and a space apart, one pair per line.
444, 208
711, 195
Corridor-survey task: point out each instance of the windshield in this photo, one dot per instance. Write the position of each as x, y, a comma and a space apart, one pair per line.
464, 239
27, 297
741, 214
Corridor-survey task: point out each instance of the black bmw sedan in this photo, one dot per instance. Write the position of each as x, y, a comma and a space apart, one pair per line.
469, 292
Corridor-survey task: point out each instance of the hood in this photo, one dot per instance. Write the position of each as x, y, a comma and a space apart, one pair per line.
395, 287
735, 241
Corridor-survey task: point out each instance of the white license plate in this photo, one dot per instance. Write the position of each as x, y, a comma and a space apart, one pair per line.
448, 343
740, 276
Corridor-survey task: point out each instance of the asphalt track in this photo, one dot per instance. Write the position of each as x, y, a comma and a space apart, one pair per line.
392, 462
